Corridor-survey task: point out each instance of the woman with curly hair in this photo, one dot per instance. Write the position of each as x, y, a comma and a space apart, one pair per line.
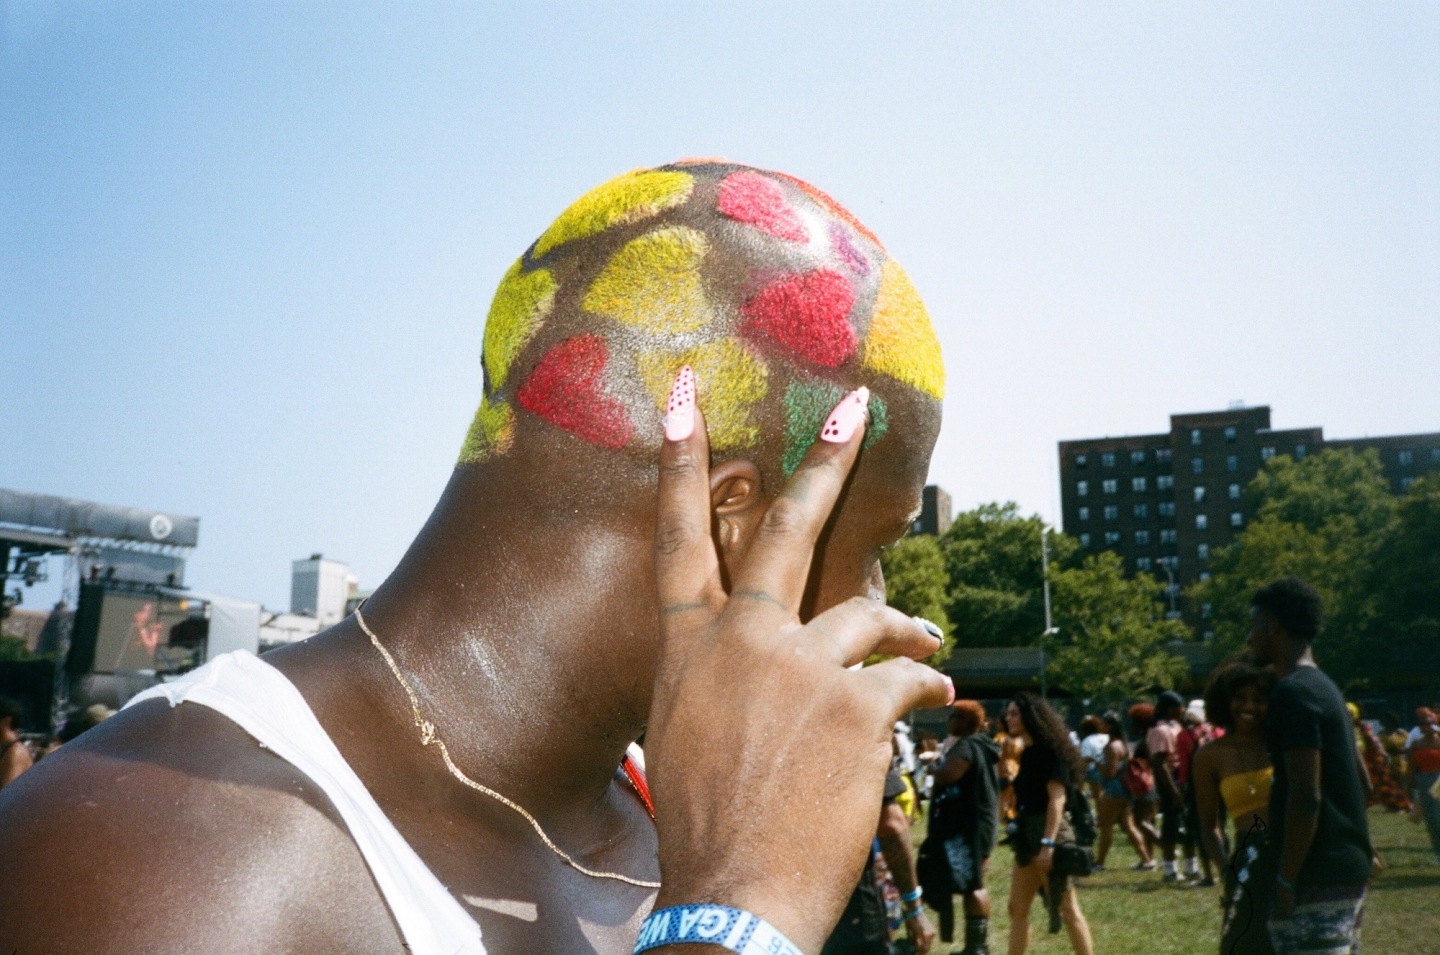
1050, 766
1234, 772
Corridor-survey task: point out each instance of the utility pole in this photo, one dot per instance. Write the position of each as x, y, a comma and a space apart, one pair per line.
1045, 588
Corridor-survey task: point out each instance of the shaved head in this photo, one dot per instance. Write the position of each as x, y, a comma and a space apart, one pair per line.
776, 296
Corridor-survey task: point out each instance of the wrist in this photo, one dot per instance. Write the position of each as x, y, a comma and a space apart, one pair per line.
721, 926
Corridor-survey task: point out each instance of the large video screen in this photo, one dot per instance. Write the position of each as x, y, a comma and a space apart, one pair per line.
148, 632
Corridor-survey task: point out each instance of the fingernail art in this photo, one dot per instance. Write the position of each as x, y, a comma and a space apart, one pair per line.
848, 417
949, 690
930, 628
680, 412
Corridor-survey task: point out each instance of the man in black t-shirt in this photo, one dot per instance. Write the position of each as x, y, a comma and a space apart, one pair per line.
1319, 835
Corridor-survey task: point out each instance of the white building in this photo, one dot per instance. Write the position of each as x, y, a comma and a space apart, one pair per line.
320, 588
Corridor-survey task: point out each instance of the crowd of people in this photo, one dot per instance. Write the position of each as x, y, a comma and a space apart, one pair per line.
1193, 787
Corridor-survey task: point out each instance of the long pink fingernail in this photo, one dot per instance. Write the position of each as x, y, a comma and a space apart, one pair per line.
680, 413
848, 417
949, 690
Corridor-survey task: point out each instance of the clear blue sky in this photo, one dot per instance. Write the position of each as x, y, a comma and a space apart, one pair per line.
246, 249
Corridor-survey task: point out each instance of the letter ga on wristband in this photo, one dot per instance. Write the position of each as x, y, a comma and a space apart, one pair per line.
730, 928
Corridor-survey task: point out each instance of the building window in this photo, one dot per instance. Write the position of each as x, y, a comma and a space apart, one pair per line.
1162, 455
1171, 562
1406, 458
1230, 434
1267, 453
1204, 611
1234, 492
1435, 455
1137, 484
1237, 519
1084, 540
1204, 576
1112, 512
1111, 485
1142, 512
1202, 551
1107, 460
1232, 462
1167, 535
1299, 452
1142, 563
1197, 465
1081, 460
1082, 488
1166, 508
1142, 538
1164, 482
1112, 538
1137, 457
1194, 436
1201, 522
1084, 513
1406, 483
1199, 490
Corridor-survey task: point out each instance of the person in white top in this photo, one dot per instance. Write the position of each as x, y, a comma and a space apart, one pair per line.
592, 572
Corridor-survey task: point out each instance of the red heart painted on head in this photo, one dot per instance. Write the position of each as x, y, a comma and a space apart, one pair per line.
807, 314
567, 389
757, 200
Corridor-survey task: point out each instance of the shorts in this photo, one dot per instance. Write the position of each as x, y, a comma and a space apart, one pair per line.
1326, 921
1114, 788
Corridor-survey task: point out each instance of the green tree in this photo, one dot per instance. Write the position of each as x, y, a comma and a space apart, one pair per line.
1406, 577
992, 559
1322, 519
915, 583
1112, 632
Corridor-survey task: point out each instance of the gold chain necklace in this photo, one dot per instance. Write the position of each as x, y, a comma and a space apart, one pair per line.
428, 736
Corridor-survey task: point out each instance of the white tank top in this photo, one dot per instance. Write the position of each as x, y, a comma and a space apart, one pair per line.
266, 705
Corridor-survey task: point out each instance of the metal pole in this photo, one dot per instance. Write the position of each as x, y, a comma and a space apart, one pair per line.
1165, 566
1045, 588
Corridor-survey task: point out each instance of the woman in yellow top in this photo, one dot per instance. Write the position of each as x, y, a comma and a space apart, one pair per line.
1235, 771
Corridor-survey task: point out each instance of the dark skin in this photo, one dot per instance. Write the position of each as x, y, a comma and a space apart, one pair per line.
1240, 750
567, 650
1273, 645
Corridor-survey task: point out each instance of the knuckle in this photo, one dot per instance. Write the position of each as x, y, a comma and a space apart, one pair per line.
784, 518
673, 537
679, 467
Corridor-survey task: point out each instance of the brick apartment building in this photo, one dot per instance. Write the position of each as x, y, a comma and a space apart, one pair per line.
1165, 502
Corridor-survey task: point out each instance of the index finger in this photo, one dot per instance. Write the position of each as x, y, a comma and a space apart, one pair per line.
777, 565
687, 570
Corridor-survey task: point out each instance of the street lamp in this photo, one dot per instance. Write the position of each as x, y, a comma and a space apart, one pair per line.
1045, 587
1165, 566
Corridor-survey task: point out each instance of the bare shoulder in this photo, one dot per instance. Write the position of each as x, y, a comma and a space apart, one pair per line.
173, 830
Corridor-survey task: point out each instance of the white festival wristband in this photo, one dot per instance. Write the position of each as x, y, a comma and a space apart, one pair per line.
730, 928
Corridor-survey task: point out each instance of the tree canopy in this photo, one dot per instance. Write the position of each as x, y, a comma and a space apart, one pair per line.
1374, 558
1112, 632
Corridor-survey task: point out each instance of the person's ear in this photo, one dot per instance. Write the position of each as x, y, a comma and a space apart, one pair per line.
737, 499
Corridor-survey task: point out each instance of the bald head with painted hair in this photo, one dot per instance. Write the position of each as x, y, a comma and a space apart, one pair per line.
778, 298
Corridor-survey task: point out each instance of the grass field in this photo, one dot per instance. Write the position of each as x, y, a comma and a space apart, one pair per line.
1134, 913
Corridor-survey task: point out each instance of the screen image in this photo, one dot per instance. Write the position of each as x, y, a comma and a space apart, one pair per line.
147, 632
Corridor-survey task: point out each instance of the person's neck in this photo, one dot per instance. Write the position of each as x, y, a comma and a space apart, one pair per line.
519, 636
1297, 656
